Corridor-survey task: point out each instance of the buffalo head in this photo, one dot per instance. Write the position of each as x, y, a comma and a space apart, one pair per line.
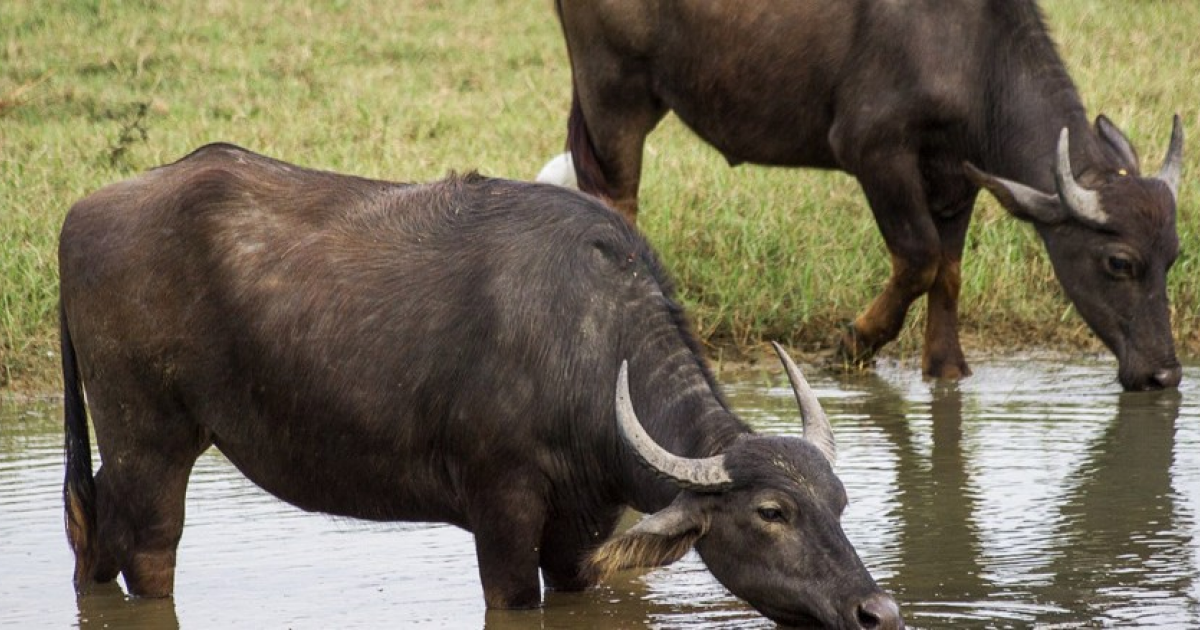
1111, 244
764, 516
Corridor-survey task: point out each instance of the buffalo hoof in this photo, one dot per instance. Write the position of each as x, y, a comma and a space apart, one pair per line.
853, 353
948, 372
946, 368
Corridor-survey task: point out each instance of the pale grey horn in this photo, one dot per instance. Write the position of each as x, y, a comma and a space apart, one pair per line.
812, 416
1080, 201
701, 475
1172, 168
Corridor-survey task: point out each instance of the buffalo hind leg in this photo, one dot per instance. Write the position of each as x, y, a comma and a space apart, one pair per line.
613, 110
140, 510
147, 446
942, 355
107, 565
897, 199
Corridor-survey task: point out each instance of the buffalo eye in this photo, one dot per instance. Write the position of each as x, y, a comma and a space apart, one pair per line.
1119, 266
771, 513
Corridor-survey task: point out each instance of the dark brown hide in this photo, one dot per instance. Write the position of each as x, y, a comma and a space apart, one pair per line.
439, 352
900, 95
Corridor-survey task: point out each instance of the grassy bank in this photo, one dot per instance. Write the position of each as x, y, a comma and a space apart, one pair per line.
92, 92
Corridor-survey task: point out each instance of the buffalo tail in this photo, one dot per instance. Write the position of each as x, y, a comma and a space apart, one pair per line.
79, 486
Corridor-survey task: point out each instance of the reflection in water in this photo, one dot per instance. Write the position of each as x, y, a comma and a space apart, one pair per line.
1032, 495
1126, 547
939, 548
1117, 546
694, 600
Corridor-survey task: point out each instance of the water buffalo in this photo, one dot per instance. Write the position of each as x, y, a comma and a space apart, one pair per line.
443, 352
924, 103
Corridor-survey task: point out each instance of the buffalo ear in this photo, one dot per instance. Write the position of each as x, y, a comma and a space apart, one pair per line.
1023, 202
657, 540
1119, 143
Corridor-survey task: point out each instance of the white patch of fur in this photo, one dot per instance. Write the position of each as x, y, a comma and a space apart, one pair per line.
560, 171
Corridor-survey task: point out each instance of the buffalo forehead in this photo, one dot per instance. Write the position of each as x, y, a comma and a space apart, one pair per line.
784, 462
1138, 205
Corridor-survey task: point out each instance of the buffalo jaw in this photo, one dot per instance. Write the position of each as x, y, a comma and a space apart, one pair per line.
768, 564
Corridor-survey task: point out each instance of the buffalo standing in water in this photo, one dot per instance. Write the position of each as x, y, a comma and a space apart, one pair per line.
443, 352
923, 102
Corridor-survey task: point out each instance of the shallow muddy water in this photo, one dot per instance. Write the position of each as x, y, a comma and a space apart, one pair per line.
1034, 494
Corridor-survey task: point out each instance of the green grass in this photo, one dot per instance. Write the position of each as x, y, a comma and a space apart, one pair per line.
92, 92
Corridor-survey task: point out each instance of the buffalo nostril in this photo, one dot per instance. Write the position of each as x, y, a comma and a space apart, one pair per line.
867, 620
879, 612
1168, 377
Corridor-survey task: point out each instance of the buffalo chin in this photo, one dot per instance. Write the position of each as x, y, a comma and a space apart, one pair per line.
1135, 380
792, 619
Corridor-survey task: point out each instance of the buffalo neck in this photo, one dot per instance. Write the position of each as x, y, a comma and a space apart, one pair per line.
677, 401
1029, 99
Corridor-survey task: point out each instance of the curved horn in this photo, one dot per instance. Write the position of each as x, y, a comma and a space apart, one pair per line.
701, 475
1172, 167
812, 416
1082, 202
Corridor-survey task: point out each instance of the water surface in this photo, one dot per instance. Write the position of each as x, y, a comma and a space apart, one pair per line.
1033, 495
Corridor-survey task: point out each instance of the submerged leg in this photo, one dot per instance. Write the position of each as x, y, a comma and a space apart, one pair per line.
508, 525
147, 452
140, 515
567, 542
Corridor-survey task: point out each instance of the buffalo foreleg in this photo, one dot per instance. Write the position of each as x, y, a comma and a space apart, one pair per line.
508, 527
569, 540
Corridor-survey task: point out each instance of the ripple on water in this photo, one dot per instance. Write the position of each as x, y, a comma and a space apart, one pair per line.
1032, 495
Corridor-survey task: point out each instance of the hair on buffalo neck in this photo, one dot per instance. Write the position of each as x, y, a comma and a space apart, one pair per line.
649, 260
1028, 33
637, 551
1024, 50
618, 241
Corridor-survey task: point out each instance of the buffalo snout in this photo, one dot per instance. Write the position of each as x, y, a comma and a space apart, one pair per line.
1167, 377
1150, 379
879, 612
